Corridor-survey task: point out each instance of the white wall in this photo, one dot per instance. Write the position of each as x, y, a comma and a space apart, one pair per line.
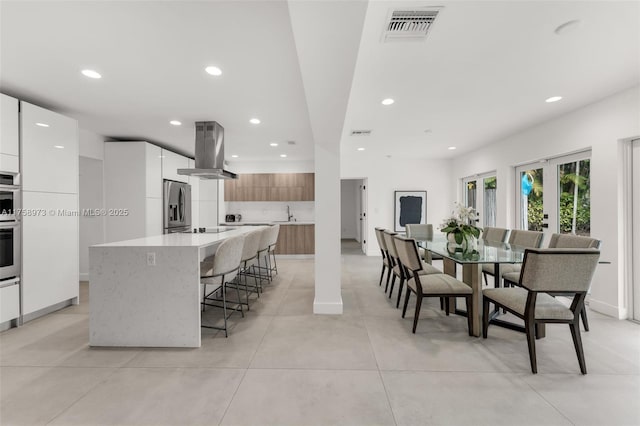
258, 211
386, 175
349, 197
600, 127
90, 195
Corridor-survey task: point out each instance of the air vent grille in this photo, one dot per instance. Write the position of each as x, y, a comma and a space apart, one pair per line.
360, 132
409, 24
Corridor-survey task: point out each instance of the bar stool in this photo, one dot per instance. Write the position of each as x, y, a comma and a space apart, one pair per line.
224, 264
273, 241
263, 271
247, 263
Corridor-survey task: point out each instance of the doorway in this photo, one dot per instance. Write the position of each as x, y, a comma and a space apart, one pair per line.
554, 195
353, 217
480, 193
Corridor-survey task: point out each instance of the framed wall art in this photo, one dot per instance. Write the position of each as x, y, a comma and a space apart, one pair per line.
410, 207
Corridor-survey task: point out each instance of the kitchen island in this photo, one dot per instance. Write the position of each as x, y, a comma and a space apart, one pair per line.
146, 292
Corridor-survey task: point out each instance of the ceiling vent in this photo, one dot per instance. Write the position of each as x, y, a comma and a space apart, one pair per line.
360, 132
409, 24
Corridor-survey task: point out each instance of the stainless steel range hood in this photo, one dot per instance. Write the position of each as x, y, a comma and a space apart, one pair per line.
209, 153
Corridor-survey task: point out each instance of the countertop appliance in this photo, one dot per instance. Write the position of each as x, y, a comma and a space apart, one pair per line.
176, 207
9, 250
215, 230
209, 153
233, 218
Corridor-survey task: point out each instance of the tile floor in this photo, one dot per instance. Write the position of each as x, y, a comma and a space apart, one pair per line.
282, 365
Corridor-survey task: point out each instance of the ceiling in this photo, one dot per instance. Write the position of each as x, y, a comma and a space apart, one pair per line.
483, 72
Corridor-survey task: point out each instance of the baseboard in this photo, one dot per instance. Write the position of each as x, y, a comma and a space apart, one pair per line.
49, 309
607, 309
327, 308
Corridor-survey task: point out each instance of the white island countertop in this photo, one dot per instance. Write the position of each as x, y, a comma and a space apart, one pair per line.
267, 222
180, 239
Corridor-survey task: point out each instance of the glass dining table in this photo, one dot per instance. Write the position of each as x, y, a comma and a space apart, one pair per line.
486, 252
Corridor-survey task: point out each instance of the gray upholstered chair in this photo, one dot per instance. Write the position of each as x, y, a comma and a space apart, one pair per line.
218, 271
529, 239
383, 249
392, 255
421, 231
496, 235
262, 268
546, 272
428, 285
273, 241
248, 262
427, 269
560, 241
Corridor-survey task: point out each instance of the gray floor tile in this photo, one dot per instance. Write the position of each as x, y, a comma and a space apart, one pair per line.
142, 396
441, 344
235, 351
302, 397
428, 398
592, 399
315, 342
35, 395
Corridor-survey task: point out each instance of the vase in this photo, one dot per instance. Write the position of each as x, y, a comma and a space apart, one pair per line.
469, 242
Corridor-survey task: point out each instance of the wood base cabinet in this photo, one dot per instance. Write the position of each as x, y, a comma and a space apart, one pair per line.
296, 239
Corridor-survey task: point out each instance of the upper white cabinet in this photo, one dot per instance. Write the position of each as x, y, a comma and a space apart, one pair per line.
49, 150
171, 162
9, 134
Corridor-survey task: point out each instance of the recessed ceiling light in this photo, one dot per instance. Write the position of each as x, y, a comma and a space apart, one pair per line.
234, 156
427, 130
273, 144
567, 27
213, 70
91, 74
175, 123
283, 155
553, 99
58, 146
387, 101
451, 148
42, 124
254, 121
360, 149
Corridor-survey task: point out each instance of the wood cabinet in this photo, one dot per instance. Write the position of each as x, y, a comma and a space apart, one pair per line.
271, 187
296, 239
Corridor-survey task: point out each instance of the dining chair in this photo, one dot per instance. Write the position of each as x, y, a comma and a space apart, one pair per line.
428, 285
528, 239
427, 269
547, 272
561, 241
383, 249
394, 262
218, 271
496, 235
421, 231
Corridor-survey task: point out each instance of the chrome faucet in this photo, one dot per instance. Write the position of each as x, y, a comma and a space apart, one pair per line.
289, 215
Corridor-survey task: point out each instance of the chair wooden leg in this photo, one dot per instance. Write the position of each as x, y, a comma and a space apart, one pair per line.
389, 271
400, 287
442, 303
531, 343
393, 281
583, 316
485, 316
406, 303
417, 314
577, 343
446, 305
382, 275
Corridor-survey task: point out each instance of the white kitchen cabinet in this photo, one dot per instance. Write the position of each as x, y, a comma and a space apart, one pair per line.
9, 134
49, 152
9, 122
171, 162
133, 182
49, 250
9, 303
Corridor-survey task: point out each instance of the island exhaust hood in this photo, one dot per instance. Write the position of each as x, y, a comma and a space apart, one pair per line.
209, 153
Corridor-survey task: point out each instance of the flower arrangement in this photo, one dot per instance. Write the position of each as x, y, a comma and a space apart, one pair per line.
460, 225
